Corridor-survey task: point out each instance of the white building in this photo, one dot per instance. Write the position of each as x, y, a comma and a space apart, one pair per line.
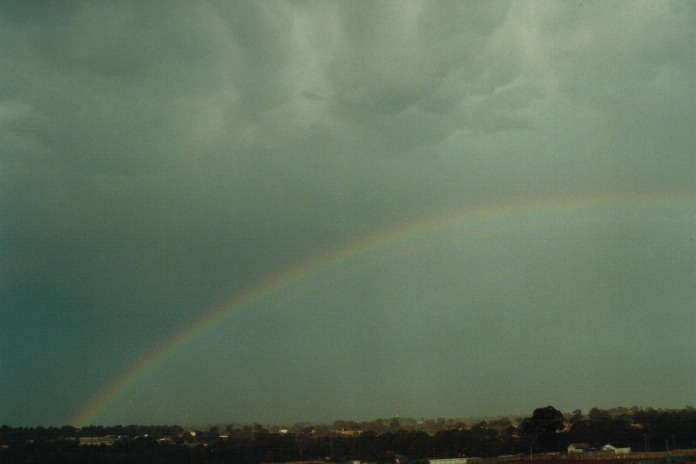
579, 448
609, 448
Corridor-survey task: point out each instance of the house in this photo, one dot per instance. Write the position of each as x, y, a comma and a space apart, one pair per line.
107, 440
609, 448
579, 448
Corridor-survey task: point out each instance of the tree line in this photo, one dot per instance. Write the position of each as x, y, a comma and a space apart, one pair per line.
546, 430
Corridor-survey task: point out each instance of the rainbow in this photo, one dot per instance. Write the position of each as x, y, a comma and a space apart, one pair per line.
513, 213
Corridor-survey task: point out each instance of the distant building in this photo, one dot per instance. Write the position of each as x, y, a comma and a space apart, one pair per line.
579, 448
447, 461
609, 448
107, 440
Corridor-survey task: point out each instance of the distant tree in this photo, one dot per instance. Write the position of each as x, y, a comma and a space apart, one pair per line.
581, 430
576, 417
598, 415
542, 430
339, 425
500, 423
377, 426
418, 445
395, 424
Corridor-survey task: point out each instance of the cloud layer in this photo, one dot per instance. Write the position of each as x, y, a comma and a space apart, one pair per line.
156, 158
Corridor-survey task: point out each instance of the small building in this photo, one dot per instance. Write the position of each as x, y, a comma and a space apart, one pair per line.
579, 448
609, 448
107, 440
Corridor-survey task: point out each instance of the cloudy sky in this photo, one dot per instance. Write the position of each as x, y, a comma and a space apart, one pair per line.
432, 209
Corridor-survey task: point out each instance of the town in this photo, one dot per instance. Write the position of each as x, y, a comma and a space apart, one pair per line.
623, 435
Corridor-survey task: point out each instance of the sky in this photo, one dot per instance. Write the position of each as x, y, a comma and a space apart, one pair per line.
304, 211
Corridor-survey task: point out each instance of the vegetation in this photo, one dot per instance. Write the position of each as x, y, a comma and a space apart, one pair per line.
546, 430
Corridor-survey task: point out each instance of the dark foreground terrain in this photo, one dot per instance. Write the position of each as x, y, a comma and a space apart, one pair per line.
620, 435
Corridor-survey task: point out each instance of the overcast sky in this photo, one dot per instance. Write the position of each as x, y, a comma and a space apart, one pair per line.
158, 158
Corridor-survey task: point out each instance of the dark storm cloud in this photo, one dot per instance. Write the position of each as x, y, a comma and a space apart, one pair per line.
408, 75
155, 158
109, 89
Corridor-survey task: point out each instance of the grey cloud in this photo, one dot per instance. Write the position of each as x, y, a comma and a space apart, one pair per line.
405, 59
451, 18
158, 85
425, 81
622, 55
117, 89
155, 159
76, 100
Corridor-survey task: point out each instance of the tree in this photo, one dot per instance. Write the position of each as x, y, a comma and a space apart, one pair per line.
395, 424
576, 417
543, 428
